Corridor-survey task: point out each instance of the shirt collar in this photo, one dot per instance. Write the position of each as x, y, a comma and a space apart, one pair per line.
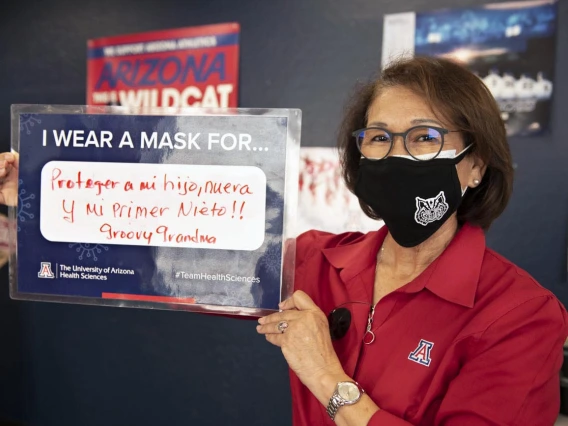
355, 252
453, 276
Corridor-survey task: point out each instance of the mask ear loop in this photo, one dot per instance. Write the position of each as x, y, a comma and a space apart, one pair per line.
462, 151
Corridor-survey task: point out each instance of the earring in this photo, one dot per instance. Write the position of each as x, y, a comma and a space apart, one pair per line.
476, 182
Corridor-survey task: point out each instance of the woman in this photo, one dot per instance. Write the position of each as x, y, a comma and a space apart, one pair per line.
428, 325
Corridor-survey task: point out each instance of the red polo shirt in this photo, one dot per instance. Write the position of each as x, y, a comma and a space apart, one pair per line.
473, 340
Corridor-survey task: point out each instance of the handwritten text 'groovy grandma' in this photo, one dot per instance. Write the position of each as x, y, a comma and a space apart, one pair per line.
154, 204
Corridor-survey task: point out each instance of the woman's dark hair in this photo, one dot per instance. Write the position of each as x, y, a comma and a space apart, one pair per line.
461, 98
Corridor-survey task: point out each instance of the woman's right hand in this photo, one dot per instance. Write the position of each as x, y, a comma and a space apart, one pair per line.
9, 163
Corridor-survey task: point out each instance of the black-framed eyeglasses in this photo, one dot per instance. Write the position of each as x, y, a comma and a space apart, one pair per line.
422, 143
339, 320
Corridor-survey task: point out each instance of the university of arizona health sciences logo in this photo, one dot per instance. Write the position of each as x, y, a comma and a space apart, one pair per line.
45, 270
421, 354
430, 209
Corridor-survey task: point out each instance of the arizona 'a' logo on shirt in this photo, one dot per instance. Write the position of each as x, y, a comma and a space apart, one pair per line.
421, 354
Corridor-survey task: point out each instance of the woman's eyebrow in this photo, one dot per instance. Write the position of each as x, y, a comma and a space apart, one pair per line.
425, 120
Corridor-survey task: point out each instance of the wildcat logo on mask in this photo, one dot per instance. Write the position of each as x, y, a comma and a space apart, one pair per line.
431, 209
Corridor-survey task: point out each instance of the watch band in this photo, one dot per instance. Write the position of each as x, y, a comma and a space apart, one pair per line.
334, 404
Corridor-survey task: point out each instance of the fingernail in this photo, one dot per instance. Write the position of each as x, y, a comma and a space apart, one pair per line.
258, 327
261, 320
9, 157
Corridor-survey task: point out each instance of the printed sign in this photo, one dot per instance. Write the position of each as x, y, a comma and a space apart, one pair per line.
185, 67
181, 209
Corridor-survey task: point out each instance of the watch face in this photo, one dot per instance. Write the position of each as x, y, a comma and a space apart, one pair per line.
348, 391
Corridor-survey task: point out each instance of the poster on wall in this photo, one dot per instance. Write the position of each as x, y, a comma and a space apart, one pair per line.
325, 203
184, 67
185, 212
510, 46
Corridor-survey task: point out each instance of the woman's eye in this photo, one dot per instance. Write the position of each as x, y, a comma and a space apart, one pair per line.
427, 138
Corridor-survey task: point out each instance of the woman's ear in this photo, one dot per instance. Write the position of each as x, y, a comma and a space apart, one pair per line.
478, 168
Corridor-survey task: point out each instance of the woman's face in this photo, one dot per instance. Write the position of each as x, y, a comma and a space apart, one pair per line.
397, 109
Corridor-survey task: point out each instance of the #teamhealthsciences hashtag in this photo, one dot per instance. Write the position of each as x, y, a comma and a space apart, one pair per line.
216, 277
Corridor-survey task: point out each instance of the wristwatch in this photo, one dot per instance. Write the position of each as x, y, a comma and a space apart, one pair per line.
346, 393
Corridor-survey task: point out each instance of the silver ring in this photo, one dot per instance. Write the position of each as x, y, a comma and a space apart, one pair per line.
282, 326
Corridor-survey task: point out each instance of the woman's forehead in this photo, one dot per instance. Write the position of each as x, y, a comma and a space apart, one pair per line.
399, 106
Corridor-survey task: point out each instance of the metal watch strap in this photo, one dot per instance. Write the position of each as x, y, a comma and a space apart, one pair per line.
335, 403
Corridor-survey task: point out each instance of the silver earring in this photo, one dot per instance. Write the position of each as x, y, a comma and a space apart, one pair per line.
476, 182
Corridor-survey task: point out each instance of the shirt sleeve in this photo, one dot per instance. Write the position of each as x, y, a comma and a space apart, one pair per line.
513, 375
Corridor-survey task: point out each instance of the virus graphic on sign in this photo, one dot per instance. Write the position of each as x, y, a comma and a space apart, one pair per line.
271, 260
88, 251
24, 204
27, 121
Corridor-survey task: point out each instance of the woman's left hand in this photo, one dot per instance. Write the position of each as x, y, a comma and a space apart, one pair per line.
305, 342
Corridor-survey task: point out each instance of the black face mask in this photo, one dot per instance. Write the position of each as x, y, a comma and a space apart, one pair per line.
414, 198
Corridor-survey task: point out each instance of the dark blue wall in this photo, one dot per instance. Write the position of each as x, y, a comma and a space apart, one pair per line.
67, 365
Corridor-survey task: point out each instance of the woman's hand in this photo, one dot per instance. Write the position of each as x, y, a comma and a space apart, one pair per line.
305, 342
9, 163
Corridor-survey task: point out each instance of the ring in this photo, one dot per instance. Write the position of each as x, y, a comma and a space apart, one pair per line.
282, 326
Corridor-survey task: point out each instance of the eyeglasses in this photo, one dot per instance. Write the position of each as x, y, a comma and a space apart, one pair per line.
423, 143
340, 320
